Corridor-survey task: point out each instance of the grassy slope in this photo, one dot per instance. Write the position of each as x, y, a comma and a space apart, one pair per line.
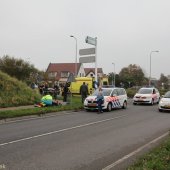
15, 93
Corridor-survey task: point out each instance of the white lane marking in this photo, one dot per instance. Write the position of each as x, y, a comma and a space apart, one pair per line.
62, 130
134, 152
34, 118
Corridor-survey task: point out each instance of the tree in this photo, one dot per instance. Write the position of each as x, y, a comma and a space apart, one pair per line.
132, 75
18, 68
163, 81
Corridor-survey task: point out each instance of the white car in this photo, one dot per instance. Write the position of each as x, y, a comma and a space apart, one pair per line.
146, 95
164, 104
113, 98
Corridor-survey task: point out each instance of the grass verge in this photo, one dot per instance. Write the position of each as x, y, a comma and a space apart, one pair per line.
75, 104
156, 159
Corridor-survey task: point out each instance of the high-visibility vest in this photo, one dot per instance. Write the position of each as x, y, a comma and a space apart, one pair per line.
47, 99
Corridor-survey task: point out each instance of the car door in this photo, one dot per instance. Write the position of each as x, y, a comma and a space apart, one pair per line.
121, 96
116, 101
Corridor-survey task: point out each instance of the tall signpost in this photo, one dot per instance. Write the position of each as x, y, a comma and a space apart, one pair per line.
93, 41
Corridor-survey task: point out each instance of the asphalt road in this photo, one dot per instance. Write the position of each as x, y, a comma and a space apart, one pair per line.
79, 140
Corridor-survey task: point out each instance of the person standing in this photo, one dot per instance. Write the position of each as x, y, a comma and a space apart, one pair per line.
100, 99
65, 92
41, 88
83, 91
56, 90
45, 89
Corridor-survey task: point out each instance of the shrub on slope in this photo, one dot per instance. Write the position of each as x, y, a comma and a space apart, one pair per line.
16, 93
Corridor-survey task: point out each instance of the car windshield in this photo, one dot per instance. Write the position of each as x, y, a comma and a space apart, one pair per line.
145, 91
106, 92
167, 94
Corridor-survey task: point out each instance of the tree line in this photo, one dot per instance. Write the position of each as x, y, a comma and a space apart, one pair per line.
133, 75
129, 76
20, 69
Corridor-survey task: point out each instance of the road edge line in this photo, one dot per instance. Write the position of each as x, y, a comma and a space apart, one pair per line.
135, 152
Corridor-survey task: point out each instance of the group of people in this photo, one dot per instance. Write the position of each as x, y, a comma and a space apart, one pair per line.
49, 95
44, 88
47, 98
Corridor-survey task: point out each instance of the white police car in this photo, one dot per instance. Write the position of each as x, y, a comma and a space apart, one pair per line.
146, 95
113, 98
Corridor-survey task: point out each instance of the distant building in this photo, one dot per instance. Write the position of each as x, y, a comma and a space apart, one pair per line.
59, 72
90, 72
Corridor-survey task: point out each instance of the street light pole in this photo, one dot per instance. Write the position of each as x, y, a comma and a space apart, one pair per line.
150, 66
114, 73
75, 55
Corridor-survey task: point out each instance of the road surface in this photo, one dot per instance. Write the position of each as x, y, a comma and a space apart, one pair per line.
79, 140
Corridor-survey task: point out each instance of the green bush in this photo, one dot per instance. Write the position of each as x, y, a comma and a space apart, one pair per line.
16, 93
162, 91
131, 92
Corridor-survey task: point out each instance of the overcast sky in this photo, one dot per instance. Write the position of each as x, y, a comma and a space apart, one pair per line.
127, 31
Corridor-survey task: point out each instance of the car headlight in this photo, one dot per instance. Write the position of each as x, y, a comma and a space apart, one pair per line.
160, 102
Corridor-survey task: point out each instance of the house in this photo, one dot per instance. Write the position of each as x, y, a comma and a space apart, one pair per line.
59, 72
90, 72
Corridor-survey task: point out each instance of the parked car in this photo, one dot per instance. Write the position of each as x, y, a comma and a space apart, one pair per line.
146, 95
164, 104
113, 98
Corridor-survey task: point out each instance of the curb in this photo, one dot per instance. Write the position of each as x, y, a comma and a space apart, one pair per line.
37, 116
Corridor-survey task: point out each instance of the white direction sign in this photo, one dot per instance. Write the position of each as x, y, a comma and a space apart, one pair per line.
90, 40
88, 59
87, 51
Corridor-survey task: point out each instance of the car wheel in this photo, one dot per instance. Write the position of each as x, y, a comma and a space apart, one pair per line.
135, 103
109, 107
124, 105
160, 110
